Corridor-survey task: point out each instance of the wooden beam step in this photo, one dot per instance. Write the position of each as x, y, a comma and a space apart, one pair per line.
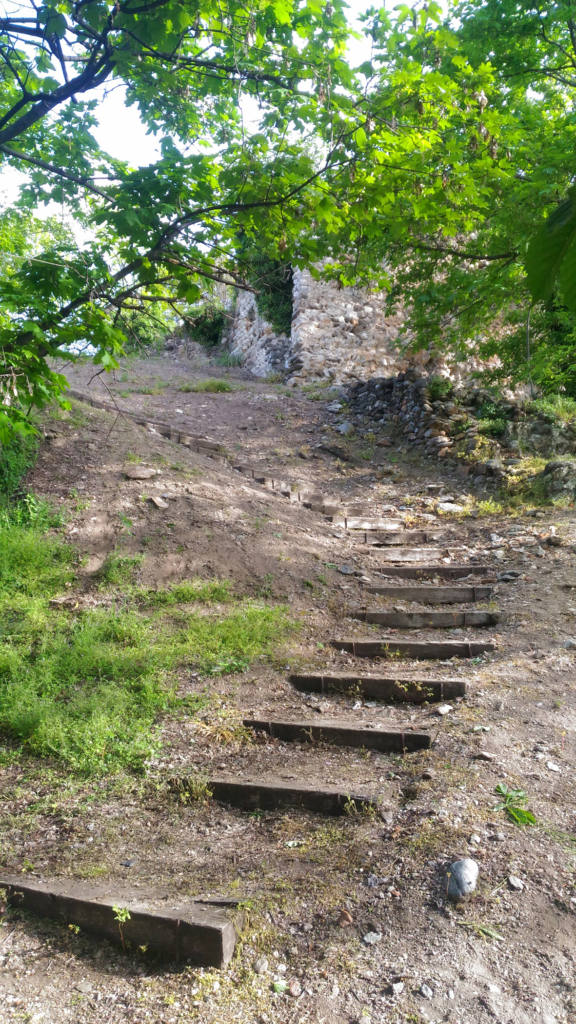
389, 647
447, 572
430, 594
382, 688
344, 734
389, 538
195, 933
366, 523
276, 793
401, 554
425, 620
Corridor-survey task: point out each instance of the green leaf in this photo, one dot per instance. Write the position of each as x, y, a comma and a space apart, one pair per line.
551, 255
361, 137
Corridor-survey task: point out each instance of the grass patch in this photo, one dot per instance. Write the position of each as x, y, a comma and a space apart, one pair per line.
17, 456
212, 387
30, 560
120, 570
316, 392
492, 427
228, 359
187, 592
150, 389
87, 688
557, 407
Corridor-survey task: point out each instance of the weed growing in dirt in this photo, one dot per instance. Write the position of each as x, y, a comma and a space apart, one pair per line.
557, 407
513, 805
213, 386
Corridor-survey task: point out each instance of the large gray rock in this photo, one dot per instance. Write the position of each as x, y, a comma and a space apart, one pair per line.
559, 477
462, 878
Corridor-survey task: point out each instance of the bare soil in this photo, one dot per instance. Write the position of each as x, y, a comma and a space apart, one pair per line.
316, 889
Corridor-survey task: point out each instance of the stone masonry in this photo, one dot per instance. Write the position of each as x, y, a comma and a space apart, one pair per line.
338, 334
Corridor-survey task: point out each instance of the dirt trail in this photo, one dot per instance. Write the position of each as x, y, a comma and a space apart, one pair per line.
348, 917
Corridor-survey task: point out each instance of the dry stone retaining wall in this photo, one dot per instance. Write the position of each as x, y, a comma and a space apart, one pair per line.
453, 424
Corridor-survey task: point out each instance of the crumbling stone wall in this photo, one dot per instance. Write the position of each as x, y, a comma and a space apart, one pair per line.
337, 334
252, 338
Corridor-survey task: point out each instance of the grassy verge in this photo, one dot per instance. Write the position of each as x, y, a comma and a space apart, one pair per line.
87, 688
212, 386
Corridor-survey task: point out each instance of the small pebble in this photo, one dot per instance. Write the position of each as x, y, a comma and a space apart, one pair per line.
515, 883
444, 709
295, 988
261, 965
397, 988
372, 938
426, 991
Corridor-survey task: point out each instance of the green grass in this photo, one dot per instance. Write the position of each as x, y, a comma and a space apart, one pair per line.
88, 687
30, 560
212, 386
120, 570
229, 360
150, 389
187, 592
495, 427
17, 456
557, 407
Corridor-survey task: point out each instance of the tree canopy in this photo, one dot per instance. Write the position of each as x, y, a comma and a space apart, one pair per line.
441, 167
466, 149
242, 98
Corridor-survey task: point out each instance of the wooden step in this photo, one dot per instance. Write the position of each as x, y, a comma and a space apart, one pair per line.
382, 688
344, 734
401, 554
389, 538
425, 619
194, 933
389, 647
276, 793
448, 572
366, 523
430, 594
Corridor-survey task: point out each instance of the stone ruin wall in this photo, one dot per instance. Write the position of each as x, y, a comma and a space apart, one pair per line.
338, 334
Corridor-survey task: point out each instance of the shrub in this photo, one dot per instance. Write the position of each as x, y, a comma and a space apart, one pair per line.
439, 388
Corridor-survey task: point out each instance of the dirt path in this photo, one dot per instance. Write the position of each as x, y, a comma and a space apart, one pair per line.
348, 921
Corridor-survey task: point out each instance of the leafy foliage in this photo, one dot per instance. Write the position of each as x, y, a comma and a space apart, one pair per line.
272, 280
551, 256
466, 143
206, 325
155, 233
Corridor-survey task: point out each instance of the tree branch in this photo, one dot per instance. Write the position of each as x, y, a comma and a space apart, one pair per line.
52, 169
